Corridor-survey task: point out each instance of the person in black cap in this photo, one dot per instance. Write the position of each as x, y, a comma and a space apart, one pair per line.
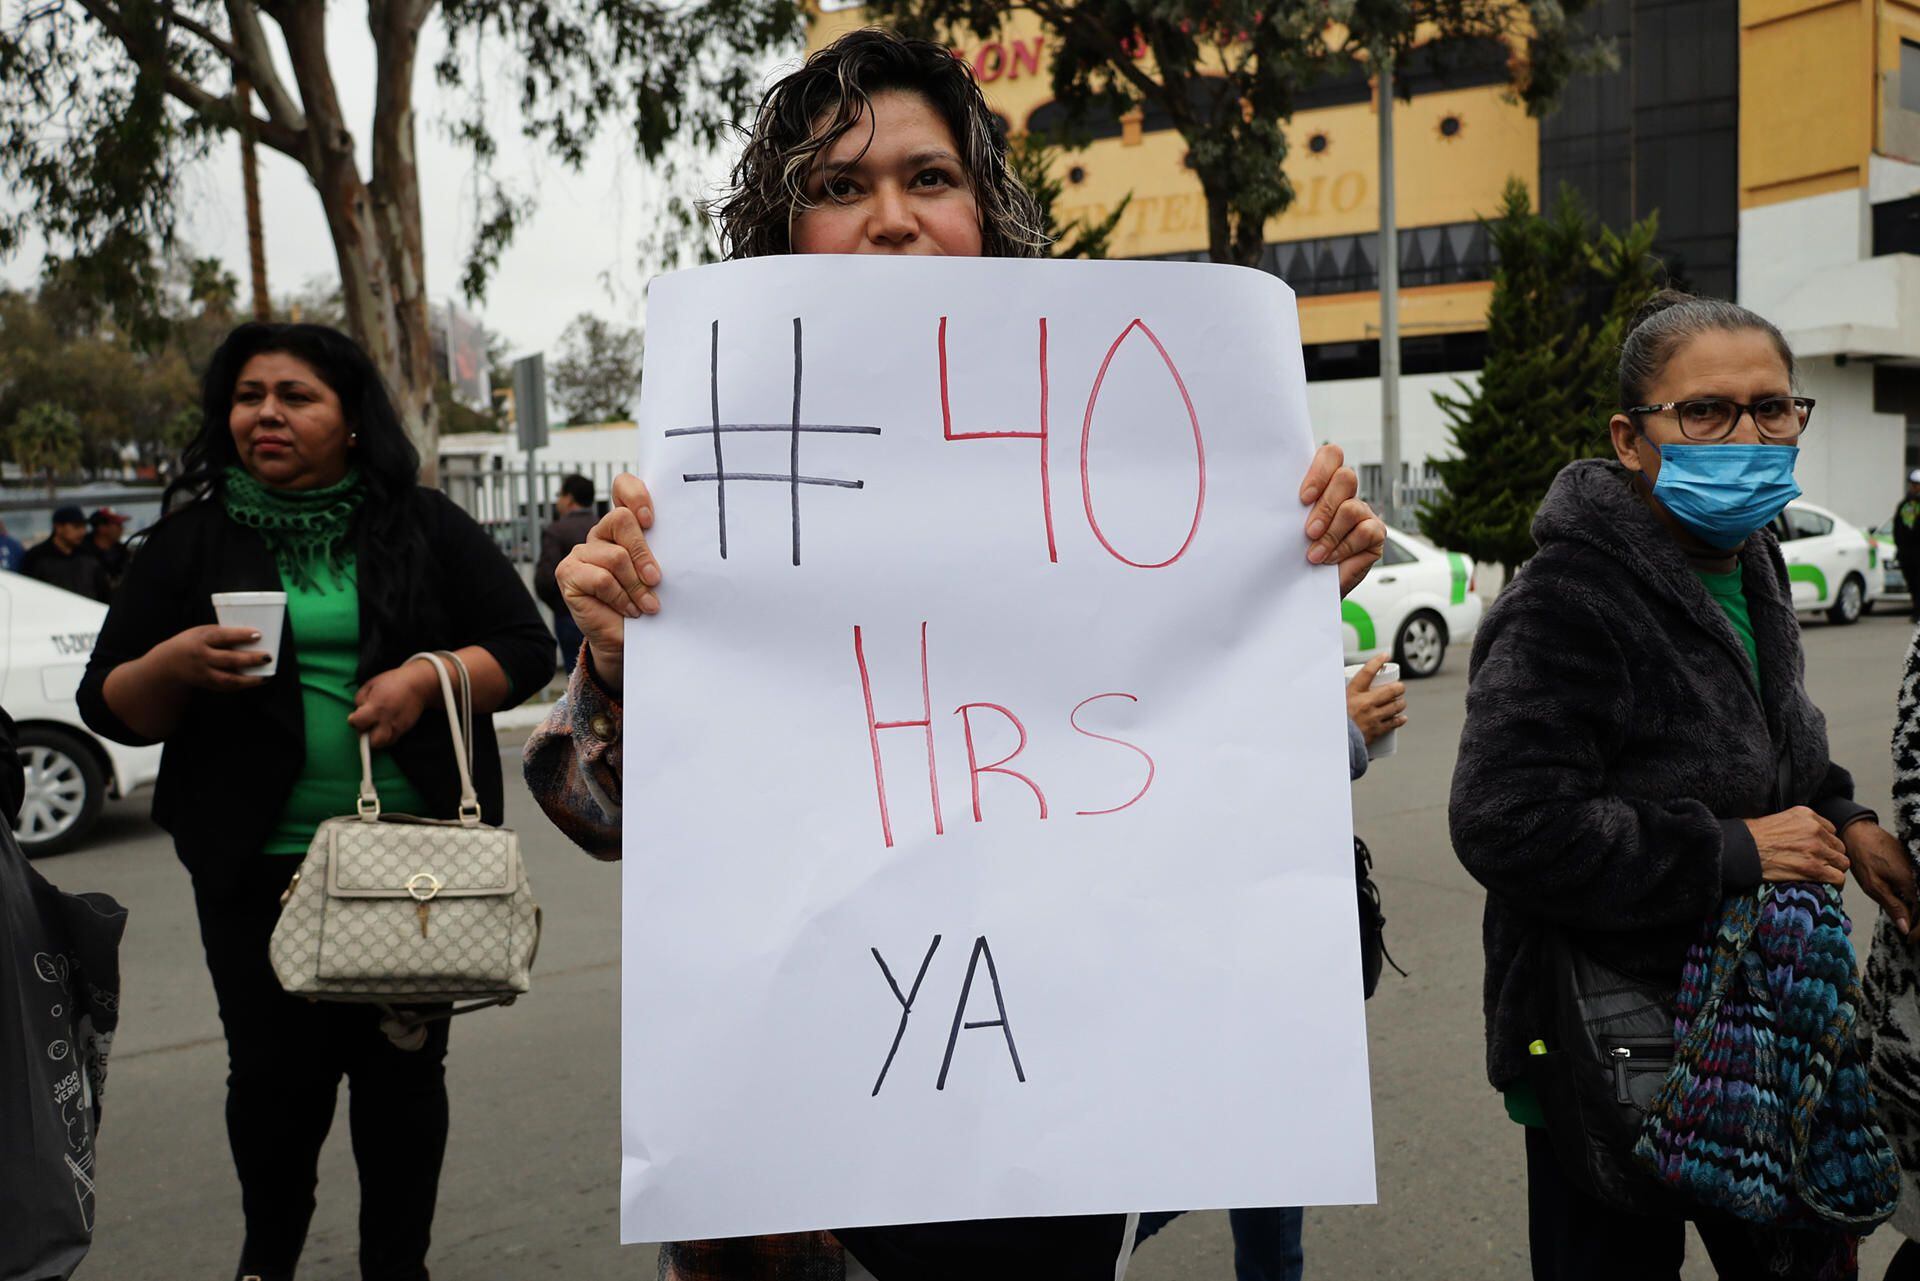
1906, 540
106, 528
63, 562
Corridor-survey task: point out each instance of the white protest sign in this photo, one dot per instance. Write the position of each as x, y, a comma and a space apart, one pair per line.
987, 837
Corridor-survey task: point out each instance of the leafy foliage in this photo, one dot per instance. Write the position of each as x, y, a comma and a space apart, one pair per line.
103, 102
1225, 72
45, 441
1034, 161
1562, 298
596, 376
114, 395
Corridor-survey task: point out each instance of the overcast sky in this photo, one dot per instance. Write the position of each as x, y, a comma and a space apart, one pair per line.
579, 252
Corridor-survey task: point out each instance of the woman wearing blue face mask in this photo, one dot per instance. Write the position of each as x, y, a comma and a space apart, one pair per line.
1639, 747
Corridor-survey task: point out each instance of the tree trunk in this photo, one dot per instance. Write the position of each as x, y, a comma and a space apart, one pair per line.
1219, 221
250, 186
1249, 240
376, 225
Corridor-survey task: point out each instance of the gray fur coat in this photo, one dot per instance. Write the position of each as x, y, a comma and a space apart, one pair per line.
1613, 742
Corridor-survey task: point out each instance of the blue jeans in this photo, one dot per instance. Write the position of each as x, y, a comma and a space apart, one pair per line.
1266, 1243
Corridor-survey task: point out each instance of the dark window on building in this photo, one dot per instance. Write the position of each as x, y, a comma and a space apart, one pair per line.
1421, 354
1443, 64
1340, 90
1659, 133
1441, 255
1049, 121
1910, 75
1896, 227
1466, 63
1203, 93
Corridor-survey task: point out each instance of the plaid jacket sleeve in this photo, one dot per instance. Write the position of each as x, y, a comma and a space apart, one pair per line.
572, 764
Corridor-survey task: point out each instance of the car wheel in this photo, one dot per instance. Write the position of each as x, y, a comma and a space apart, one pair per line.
1421, 646
65, 790
1850, 604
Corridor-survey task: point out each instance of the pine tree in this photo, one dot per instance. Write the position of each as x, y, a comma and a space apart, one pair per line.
1560, 304
1627, 274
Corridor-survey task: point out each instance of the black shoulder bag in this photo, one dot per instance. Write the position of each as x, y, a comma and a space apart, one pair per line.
1612, 1047
1373, 922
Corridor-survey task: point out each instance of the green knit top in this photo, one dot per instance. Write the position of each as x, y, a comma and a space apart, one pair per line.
308, 533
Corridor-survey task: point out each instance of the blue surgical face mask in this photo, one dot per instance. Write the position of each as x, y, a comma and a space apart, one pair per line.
1725, 492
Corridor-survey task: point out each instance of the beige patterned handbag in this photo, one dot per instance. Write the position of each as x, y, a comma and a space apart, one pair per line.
391, 909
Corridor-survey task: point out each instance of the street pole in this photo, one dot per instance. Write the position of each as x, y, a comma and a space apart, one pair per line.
530, 424
1389, 308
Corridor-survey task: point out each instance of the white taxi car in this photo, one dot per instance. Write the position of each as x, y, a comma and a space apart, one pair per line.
1418, 600
46, 635
1834, 567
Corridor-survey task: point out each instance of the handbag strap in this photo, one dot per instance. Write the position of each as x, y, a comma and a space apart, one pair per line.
459, 727
466, 697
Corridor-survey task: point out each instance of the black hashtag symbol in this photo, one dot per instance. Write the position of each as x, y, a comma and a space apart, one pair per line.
792, 478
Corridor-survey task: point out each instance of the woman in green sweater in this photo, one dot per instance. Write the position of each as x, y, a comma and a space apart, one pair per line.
302, 480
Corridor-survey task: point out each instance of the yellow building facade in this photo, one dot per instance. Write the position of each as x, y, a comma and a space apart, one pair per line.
1455, 149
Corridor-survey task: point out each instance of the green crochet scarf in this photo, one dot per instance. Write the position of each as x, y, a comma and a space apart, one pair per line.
305, 529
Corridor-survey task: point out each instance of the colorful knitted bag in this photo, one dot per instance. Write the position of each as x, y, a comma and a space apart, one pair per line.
1766, 1113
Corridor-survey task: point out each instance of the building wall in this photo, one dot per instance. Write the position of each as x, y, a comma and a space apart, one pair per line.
1851, 459
1782, 244
1346, 413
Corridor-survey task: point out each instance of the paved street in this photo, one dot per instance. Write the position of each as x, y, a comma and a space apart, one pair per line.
532, 1167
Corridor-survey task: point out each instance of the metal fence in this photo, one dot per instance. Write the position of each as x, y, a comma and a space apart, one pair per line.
1417, 485
510, 502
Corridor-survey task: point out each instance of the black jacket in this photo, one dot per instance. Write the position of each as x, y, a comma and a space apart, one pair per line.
78, 571
231, 763
556, 540
1613, 741
1906, 539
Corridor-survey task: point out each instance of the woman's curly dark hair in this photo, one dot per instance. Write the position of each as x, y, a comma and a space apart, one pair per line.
806, 112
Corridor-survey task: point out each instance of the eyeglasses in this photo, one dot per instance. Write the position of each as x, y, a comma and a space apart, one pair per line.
1712, 419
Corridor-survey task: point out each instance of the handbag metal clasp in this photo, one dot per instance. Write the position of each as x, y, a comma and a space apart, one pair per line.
423, 886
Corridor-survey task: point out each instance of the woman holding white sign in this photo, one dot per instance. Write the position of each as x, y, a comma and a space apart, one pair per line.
1644, 788
877, 145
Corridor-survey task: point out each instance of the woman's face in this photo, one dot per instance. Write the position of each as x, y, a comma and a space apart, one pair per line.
1739, 365
286, 424
909, 194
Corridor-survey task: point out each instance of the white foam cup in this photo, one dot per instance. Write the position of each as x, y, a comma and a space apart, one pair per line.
1388, 743
263, 612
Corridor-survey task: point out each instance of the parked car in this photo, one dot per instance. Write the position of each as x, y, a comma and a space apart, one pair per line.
1833, 566
48, 634
1418, 600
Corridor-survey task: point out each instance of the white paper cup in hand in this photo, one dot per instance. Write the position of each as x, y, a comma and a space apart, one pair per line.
1388, 743
263, 612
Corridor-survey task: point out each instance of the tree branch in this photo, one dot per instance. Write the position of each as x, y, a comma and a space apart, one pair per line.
194, 26
255, 59
395, 26
207, 105
304, 26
